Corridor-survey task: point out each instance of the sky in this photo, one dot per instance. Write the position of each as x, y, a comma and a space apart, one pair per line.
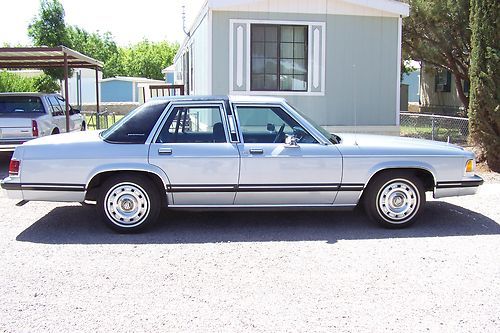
128, 21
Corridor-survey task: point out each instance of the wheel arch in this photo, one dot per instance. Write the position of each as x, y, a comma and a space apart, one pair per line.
159, 178
424, 173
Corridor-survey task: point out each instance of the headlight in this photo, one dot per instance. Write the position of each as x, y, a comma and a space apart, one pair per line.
470, 166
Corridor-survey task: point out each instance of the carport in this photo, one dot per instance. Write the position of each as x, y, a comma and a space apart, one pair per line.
51, 57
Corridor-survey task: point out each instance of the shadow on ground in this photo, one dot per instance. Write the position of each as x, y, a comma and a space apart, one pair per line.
80, 225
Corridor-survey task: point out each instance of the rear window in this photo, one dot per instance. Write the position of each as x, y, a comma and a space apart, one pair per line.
136, 126
21, 104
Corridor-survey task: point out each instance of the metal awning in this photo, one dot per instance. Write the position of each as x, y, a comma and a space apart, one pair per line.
51, 57
45, 57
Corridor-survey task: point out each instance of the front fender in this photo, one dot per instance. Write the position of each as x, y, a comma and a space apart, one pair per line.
361, 169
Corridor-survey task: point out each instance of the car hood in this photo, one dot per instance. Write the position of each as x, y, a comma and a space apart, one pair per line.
381, 144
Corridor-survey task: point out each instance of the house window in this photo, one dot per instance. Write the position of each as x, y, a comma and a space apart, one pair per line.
443, 80
278, 57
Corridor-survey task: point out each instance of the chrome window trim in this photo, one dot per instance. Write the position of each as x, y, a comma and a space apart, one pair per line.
163, 118
314, 134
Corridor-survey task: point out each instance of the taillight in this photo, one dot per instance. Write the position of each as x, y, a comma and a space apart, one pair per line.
14, 167
34, 128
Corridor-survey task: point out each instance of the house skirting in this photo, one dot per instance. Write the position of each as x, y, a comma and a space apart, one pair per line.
382, 130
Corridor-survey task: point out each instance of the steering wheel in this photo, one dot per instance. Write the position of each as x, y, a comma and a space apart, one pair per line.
277, 139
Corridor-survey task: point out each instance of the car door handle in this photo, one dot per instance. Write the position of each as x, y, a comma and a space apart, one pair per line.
256, 151
165, 151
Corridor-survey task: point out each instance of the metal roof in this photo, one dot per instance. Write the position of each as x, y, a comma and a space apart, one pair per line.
45, 57
232, 98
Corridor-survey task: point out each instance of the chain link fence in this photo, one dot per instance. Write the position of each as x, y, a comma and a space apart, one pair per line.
434, 127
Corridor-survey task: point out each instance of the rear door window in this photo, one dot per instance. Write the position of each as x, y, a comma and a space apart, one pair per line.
194, 124
57, 109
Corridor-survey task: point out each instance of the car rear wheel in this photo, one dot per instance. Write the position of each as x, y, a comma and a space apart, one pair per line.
129, 203
395, 199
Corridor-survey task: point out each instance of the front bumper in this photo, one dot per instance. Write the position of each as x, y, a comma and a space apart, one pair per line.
466, 186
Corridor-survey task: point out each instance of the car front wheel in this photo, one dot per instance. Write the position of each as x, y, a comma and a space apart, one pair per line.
395, 199
128, 203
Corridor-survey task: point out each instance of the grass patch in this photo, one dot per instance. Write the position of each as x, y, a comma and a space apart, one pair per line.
105, 121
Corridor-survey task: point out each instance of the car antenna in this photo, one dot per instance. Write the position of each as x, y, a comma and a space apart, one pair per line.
354, 104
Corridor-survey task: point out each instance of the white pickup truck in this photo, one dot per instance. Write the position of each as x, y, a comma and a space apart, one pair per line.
26, 116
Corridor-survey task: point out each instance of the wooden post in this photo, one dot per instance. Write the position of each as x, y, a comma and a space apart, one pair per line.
66, 92
98, 124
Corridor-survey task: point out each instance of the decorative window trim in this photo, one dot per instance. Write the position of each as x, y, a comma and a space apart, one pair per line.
315, 72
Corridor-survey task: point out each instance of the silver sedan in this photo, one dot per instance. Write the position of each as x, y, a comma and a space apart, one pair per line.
235, 152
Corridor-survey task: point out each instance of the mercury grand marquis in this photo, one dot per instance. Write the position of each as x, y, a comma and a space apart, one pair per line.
235, 152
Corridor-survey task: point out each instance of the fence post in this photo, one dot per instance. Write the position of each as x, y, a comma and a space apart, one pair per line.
432, 132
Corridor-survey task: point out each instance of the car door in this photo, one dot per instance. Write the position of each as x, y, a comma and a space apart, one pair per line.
273, 172
192, 146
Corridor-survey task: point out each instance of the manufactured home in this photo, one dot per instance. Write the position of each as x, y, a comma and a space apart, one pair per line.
338, 61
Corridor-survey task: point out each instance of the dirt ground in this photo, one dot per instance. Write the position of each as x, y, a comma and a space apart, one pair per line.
62, 270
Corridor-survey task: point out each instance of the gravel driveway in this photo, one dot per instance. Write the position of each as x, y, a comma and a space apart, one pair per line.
61, 270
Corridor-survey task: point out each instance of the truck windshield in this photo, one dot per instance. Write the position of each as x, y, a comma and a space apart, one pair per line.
20, 104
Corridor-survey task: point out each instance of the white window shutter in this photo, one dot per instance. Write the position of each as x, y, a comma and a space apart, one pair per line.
316, 58
238, 48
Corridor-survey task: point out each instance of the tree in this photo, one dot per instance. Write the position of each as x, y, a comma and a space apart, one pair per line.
437, 32
98, 46
12, 82
45, 84
49, 29
147, 58
484, 112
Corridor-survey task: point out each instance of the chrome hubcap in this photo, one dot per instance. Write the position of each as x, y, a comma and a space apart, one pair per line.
398, 201
127, 204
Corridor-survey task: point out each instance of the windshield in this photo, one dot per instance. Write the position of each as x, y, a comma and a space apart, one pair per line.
135, 126
20, 104
331, 137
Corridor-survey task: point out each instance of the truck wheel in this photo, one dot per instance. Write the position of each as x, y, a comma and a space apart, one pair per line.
128, 203
395, 199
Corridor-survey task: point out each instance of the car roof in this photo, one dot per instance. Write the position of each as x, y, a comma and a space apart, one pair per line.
231, 98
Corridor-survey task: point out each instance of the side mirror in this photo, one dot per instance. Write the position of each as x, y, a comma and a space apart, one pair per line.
74, 111
291, 141
271, 128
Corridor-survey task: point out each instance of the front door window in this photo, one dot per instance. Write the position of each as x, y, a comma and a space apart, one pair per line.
270, 125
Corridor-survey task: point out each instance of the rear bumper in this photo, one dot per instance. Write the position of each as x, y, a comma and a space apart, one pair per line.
11, 189
9, 146
466, 186
43, 192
